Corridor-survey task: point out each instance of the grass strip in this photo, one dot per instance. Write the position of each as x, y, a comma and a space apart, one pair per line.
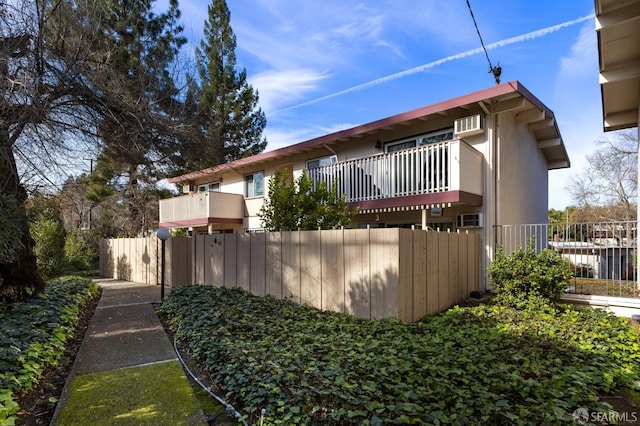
157, 394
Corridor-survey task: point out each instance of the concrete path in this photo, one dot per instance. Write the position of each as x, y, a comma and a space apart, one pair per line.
124, 332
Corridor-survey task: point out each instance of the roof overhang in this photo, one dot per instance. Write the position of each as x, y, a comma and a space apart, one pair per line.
511, 96
618, 30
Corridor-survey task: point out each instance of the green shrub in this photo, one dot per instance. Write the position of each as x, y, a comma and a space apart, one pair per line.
10, 225
298, 205
48, 232
81, 251
33, 336
486, 365
526, 278
49, 235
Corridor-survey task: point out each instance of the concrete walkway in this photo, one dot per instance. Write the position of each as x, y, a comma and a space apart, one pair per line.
124, 332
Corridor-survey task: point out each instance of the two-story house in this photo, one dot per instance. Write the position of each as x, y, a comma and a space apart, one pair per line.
477, 161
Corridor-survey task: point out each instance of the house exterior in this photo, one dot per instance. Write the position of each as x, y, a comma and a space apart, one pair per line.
618, 31
601, 260
474, 162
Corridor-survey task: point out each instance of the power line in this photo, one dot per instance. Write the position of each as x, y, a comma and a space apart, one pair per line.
421, 68
497, 70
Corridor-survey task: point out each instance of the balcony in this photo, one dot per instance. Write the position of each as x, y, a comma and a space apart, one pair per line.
444, 172
201, 209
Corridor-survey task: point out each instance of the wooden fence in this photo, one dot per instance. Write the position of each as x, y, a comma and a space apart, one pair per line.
370, 273
138, 259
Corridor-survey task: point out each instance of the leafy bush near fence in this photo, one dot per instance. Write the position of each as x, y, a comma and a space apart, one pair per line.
529, 279
33, 334
488, 364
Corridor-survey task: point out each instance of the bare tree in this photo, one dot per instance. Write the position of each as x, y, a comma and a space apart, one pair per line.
62, 91
607, 189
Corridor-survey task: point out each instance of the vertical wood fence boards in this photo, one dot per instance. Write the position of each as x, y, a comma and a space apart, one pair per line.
369, 273
291, 265
138, 260
310, 269
357, 277
332, 271
274, 264
230, 248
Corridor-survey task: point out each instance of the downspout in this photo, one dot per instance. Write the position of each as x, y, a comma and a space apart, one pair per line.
495, 146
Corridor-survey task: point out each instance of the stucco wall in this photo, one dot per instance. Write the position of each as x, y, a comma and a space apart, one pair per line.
523, 175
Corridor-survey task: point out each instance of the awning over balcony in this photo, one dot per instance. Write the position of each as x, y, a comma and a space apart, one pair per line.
201, 209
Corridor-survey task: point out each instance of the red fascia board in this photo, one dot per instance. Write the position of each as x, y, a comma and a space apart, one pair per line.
199, 222
420, 200
471, 98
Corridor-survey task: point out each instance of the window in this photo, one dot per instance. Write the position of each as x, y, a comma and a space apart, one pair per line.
429, 138
322, 161
253, 185
398, 146
214, 186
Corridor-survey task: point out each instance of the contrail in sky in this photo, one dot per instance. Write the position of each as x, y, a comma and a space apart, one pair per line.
517, 39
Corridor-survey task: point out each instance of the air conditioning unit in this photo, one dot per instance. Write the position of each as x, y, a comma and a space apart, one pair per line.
469, 220
188, 188
469, 126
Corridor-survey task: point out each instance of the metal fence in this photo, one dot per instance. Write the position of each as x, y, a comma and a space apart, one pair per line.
602, 255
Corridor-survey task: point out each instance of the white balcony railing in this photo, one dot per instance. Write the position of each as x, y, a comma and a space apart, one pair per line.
199, 207
444, 166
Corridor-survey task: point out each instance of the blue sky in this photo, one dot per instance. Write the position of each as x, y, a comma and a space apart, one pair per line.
324, 65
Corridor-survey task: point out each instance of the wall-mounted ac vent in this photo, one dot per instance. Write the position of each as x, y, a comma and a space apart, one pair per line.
469, 220
188, 188
469, 126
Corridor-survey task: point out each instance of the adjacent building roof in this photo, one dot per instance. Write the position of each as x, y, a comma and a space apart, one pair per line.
618, 29
511, 96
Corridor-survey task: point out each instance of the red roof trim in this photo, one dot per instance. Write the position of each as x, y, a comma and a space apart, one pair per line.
199, 222
502, 89
421, 200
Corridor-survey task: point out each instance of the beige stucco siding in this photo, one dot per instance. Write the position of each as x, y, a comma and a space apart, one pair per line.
522, 184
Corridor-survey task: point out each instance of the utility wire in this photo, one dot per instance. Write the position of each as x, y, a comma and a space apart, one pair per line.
497, 70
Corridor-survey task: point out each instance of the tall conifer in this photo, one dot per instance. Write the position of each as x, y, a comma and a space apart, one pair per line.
227, 106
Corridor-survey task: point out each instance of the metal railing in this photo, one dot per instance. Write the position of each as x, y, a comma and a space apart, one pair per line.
603, 255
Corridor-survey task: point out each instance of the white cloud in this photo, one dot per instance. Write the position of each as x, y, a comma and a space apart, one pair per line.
336, 127
282, 87
584, 53
280, 138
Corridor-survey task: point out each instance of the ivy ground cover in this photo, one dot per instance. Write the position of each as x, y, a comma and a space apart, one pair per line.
482, 365
33, 336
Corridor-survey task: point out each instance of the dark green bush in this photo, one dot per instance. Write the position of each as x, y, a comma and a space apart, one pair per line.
526, 278
49, 249
81, 251
486, 365
10, 223
47, 229
33, 334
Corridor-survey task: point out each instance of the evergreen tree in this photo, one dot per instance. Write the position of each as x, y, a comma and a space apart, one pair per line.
137, 152
298, 205
230, 122
72, 71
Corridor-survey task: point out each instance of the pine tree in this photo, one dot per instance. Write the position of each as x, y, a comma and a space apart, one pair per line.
230, 121
138, 151
71, 71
